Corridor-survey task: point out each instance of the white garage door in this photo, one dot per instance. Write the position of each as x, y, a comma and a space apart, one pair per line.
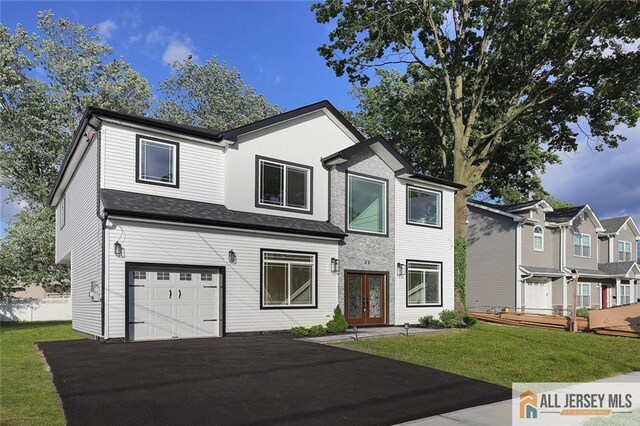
537, 297
167, 303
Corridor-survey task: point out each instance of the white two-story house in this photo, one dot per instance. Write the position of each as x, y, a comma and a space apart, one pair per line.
175, 232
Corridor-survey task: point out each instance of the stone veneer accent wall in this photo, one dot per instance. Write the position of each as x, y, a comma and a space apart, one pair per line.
361, 252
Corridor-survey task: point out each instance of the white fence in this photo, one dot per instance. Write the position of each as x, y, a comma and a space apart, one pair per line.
30, 309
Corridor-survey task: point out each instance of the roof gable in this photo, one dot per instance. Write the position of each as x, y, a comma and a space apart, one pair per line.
567, 215
614, 224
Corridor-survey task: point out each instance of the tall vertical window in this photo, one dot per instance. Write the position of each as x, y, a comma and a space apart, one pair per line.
584, 295
366, 204
424, 284
538, 238
624, 251
625, 294
284, 185
581, 245
157, 162
288, 279
424, 207
62, 211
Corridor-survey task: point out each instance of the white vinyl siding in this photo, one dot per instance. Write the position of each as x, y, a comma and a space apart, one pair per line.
624, 251
172, 244
417, 243
201, 168
538, 238
581, 245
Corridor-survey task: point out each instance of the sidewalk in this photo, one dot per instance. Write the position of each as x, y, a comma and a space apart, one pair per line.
369, 332
499, 413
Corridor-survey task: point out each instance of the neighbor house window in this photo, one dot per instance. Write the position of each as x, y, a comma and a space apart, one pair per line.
284, 185
625, 294
366, 205
581, 245
424, 207
624, 251
538, 238
162, 276
288, 279
424, 283
584, 295
157, 162
62, 212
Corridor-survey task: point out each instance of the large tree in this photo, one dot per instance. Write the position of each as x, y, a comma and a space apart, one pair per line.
476, 87
46, 80
211, 95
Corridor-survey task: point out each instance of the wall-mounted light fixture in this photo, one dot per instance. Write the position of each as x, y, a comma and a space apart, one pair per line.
400, 269
335, 265
406, 328
117, 248
232, 257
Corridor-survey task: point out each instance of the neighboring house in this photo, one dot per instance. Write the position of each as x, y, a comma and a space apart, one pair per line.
173, 231
522, 257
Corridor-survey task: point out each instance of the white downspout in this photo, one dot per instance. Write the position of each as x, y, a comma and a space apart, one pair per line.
563, 263
518, 265
618, 298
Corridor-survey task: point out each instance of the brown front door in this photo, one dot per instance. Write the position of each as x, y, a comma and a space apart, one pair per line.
366, 298
605, 297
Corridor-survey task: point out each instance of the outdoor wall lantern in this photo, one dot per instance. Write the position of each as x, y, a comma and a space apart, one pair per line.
117, 248
335, 265
406, 328
400, 269
232, 257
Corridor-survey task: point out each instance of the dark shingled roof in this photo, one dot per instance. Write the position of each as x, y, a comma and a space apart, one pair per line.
613, 224
542, 270
511, 207
564, 214
616, 268
584, 271
133, 204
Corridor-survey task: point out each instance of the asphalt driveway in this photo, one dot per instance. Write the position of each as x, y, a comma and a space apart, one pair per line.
249, 380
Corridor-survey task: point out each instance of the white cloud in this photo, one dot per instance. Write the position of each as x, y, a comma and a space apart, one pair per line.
177, 51
177, 46
106, 28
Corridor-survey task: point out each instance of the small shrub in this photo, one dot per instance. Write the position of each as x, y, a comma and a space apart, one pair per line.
429, 322
470, 320
449, 318
317, 330
338, 324
299, 331
583, 312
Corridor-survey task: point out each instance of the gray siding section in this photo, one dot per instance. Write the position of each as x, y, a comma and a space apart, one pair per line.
550, 256
364, 252
603, 250
557, 292
491, 260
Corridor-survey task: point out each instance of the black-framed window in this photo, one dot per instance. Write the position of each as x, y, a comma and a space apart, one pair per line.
157, 161
424, 283
424, 207
283, 185
366, 204
289, 279
62, 212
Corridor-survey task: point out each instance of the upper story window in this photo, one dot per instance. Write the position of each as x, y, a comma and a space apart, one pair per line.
62, 211
288, 279
424, 207
283, 185
366, 204
157, 161
581, 245
624, 251
538, 238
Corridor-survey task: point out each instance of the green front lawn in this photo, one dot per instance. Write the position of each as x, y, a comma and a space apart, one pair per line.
502, 355
27, 394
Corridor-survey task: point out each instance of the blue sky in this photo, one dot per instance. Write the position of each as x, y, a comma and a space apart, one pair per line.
274, 46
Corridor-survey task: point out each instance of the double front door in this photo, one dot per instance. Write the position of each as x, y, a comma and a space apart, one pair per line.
365, 298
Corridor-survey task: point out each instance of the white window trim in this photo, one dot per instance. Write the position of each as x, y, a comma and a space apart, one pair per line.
625, 244
284, 166
580, 295
287, 303
174, 162
424, 271
581, 245
622, 287
62, 212
384, 210
429, 191
541, 236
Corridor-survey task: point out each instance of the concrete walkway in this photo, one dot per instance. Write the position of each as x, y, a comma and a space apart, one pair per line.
499, 413
369, 332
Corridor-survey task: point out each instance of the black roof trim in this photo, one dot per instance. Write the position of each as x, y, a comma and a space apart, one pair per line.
137, 205
437, 180
232, 134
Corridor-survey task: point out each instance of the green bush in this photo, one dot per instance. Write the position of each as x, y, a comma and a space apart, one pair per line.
449, 318
583, 312
470, 320
299, 331
430, 322
338, 324
317, 330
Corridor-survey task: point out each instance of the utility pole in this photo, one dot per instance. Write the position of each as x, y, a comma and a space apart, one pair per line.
574, 307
